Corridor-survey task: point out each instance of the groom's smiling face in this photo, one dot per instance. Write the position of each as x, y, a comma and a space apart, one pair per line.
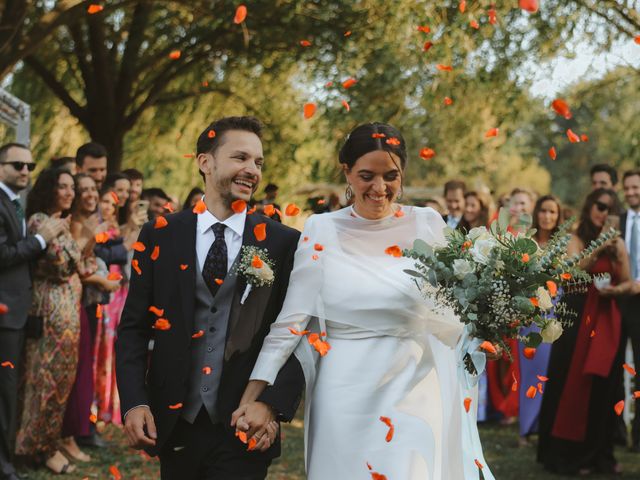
234, 170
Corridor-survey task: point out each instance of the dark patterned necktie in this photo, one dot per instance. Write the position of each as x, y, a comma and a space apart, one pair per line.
19, 211
215, 266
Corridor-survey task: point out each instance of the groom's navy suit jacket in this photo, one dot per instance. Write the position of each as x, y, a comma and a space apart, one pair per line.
160, 379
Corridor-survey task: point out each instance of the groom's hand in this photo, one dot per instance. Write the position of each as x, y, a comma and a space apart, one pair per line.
253, 418
135, 422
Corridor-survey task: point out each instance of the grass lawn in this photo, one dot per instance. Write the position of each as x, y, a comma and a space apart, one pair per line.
507, 460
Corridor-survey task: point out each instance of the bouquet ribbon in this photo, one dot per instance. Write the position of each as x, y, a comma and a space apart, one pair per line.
468, 344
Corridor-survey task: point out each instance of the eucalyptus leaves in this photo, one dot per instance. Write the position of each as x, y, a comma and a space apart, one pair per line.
498, 281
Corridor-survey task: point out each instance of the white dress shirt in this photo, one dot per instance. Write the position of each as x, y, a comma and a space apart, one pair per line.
14, 196
453, 221
627, 237
232, 235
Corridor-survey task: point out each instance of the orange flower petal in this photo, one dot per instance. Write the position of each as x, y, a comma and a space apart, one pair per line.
561, 108
318, 248
305, 43
525, 258
378, 135
393, 141
176, 406
200, 207
394, 251
388, 423
309, 110
241, 14
448, 101
136, 266
349, 83
552, 153
162, 324
198, 334
424, 28
269, 210
462, 6
534, 301
345, 104
114, 276
256, 262
292, 210
584, 137
93, 8
467, 404
98, 311
242, 436
156, 311
492, 132
619, 407
565, 276
573, 138
102, 237
211, 133
552, 287
183, 266
161, 222
115, 473
175, 54
478, 464
155, 253
444, 68
238, 206
298, 332
427, 153
218, 281
168, 207
542, 378
7, 364
636, 394
3, 308
630, 370
260, 231
206, 370
529, 352
488, 346
530, 6
474, 24
532, 392
138, 246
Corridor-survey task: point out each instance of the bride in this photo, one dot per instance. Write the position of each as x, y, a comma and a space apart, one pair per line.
385, 396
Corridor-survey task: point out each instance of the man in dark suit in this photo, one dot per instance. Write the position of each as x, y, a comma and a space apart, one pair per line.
208, 331
630, 230
17, 249
454, 191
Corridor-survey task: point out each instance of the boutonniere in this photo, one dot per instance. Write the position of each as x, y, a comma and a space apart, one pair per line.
256, 267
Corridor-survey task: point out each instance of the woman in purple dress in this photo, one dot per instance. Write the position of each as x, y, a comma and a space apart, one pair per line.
547, 217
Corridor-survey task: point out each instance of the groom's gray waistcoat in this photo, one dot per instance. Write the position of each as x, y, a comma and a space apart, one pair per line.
211, 315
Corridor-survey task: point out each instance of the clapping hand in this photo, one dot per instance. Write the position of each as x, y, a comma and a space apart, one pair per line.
257, 420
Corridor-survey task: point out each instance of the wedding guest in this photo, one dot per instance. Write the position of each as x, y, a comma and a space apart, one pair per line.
334, 202
547, 217
476, 211
65, 163
577, 417
271, 193
630, 230
115, 255
120, 184
136, 178
95, 283
18, 247
51, 359
194, 195
157, 200
521, 201
454, 191
91, 158
603, 176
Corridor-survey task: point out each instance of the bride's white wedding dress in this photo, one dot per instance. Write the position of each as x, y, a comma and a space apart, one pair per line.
392, 355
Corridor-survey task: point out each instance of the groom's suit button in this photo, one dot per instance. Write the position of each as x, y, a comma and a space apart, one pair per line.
212, 329
209, 349
205, 389
214, 309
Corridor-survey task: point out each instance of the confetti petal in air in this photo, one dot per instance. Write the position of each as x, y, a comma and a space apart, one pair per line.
584, 137
532, 392
198, 334
138, 246
478, 464
492, 132
241, 14
161, 222
211, 134
252, 444
98, 311
94, 8
552, 153
423, 28
200, 207
444, 68
529, 352
573, 138
552, 287
292, 210
155, 253
238, 206
637, 39
349, 83
493, 16
218, 281
561, 108
488, 346
448, 101
183, 266
114, 277
388, 423
392, 141
542, 378
474, 24
309, 110
269, 210
176, 406
3, 308
318, 248
162, 324
378, 135
530, 6
298, 332
619, 407
467, 404
630, 370
636, 394
175, 54
427, 46
305, 43
514, 385
7, 364
136, 266
525, 258
242, 436
114, 197
206, 370
168, 207
462, 6
156, 311
102, 237
347, 33
260, 231
394, 251
565, 276
427, 153
115, 473
346, 105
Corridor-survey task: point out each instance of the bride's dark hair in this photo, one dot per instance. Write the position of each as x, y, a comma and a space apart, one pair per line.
371, 137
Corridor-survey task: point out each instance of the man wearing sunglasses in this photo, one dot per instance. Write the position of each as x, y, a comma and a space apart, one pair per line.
17, 249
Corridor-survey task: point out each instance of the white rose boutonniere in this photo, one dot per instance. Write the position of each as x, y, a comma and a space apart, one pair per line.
551, 332
256, 267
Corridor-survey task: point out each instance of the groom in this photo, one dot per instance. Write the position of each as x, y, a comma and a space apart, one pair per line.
187, 296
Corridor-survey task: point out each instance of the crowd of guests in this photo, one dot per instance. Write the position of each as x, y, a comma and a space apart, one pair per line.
65, 261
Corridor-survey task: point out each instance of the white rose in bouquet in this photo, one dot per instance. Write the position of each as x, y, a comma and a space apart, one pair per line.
544, 299
264, 273
551, 331
482, 249
478, 233
462, 267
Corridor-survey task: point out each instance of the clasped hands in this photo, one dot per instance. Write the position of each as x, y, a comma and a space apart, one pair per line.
258, 421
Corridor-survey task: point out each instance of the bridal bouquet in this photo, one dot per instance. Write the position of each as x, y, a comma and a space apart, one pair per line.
500, 282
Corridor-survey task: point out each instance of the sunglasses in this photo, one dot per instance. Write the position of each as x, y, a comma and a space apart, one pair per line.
602, 207
20, 165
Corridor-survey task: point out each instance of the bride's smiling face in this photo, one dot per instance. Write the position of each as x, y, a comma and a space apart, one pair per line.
376, 180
